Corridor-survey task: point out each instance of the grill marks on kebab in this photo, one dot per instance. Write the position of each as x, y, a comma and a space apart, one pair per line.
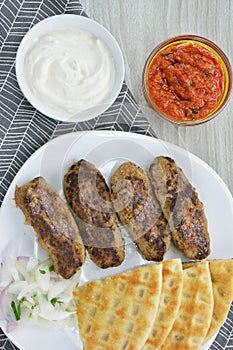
139, 211
150, 210
53, 223
89, 197
181, 207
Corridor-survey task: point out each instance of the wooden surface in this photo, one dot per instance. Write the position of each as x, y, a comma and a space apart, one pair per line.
138, 26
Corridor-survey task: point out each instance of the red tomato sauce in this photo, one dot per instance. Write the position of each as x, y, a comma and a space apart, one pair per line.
185, 81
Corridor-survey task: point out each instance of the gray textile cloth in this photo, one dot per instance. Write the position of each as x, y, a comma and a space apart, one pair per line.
23, 129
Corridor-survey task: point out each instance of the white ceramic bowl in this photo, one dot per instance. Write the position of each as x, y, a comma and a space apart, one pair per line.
65, 22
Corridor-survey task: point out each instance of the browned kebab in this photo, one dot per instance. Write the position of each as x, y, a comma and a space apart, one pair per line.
181, 206
139, 211
54, 224
89, 197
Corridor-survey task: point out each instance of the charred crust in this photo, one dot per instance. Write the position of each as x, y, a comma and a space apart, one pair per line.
90, 199
55, 227
181, 207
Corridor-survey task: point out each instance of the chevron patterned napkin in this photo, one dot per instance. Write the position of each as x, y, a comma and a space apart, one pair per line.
23, 129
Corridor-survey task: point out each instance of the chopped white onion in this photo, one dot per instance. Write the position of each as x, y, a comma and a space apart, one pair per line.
2, 305
22, 257
27, 291
11, 326
57, 288
42, 277
16, 287
41, 293
15, 274
32, 263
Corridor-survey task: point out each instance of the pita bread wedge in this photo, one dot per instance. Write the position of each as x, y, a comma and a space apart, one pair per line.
118, 312
221, 272
168, 305
187, 265
195, 313
222, 281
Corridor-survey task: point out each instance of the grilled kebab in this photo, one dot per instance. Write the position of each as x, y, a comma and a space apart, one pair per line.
54, 224
181, 206
89, 197
139, 211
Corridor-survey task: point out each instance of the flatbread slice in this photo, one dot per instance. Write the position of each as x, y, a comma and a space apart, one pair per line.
188, 264
195, 313
169, 304
222, 281
221, 272
118, 312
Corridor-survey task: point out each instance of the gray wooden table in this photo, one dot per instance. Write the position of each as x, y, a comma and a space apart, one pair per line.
139, 25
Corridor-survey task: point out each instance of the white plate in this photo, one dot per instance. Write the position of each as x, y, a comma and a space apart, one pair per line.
107, 150
68, 21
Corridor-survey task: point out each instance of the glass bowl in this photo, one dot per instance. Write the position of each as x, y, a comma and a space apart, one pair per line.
174, 73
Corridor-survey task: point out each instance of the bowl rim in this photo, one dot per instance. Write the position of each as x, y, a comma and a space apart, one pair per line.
215, 49
65, 21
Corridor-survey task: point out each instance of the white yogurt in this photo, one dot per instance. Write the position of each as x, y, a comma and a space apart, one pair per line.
70, 70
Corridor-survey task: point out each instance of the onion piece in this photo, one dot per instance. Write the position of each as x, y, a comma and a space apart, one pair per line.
14, 273
22, 258
57, 288
32, 263
43, 295
11, 326
8, 263
16, 287
2, 304
42, 276
27, 290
